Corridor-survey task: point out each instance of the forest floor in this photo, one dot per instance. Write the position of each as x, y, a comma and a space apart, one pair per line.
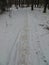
24, 37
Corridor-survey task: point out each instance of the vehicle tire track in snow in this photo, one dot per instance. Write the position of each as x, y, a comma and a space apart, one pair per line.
20, 49
23, 49
14, 44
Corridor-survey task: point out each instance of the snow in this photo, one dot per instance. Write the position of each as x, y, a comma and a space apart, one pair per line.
24, 39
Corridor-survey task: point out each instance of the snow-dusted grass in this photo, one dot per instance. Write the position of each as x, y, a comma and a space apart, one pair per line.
24, 38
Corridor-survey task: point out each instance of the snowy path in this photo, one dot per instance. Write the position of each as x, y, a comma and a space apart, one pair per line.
21, 48
21, 39
35, 45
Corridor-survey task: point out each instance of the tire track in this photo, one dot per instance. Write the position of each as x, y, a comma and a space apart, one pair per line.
23, 50
19, 52
14, 44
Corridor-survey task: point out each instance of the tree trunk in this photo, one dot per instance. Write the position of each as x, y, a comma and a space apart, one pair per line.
48, 4
37, 3
27, 1
19, 3
32, 3
45, 5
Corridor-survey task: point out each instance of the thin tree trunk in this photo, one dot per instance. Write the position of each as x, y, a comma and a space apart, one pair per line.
45, 5
48, 4
19, 3
32, 4
38, 3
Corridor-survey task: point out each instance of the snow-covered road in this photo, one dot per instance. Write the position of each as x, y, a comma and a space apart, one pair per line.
22, 40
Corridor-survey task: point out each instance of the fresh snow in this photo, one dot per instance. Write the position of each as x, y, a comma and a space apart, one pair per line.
24, 38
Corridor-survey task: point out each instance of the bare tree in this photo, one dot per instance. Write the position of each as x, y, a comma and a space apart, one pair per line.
32, 3
19, 3
45, 5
